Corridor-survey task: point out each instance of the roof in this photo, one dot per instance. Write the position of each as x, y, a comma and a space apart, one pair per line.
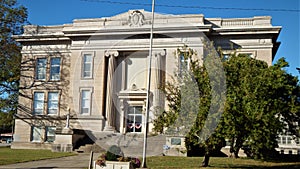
139, 22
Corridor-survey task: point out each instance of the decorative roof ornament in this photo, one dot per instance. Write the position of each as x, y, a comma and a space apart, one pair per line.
136, 19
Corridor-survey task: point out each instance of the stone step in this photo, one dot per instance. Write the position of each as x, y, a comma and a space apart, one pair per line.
90, 147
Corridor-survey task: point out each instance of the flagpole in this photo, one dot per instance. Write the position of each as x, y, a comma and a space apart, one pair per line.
148, 89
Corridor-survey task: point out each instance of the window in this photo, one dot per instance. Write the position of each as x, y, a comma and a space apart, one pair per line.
297, 141
55, 69
41, 64
134, 119
249, 54
283, 140
87, 66
50, 133
36, 135
85, 102
279, 140
52, 102
226, 57
184, 62
38, 103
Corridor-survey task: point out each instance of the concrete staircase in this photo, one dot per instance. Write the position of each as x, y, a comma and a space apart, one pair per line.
130, 143
87, 148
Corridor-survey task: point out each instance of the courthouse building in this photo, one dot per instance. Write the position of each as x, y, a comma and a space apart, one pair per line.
91, 75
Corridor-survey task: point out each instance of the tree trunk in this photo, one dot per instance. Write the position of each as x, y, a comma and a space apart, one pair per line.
205, 160
237, 147
236, 152
231, 150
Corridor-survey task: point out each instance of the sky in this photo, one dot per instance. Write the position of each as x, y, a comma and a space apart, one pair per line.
284, 13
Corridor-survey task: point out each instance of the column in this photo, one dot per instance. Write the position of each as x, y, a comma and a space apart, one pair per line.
110, 108
157, 78
122, 118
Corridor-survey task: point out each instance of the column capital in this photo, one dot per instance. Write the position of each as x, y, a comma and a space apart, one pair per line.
109, 53
160, 52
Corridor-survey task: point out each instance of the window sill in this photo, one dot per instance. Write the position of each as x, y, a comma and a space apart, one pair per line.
87, 78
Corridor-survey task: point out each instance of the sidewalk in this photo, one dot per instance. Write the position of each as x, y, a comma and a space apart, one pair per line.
80, 161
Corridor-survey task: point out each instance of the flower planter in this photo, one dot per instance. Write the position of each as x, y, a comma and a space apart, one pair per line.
114, 165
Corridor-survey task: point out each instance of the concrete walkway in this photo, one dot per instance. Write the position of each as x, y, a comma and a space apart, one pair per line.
80, 161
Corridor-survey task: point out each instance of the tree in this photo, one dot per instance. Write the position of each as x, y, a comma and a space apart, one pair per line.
190, 97
260, 101
12, 18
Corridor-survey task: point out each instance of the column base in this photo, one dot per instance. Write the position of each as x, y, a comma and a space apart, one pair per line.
109, 128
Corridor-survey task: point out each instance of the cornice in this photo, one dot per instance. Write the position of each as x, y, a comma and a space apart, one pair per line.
135, 22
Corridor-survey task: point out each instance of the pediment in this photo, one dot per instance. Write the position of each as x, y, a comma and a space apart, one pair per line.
139, 18
146, 14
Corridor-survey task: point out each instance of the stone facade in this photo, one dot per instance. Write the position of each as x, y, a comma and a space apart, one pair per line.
95, 70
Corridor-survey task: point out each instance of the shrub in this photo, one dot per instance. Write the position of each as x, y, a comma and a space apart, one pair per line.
113, 153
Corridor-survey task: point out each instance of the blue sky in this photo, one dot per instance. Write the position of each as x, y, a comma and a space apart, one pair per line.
54, 12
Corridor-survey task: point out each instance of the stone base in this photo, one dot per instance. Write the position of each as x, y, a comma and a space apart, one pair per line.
62, 148
114, 165
63, 141
175, 146
67, 131
31, 145
109, 129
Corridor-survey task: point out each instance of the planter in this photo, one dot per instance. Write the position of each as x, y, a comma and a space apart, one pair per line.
114, 165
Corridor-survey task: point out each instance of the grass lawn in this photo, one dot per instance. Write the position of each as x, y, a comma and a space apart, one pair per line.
215, 163
11, 156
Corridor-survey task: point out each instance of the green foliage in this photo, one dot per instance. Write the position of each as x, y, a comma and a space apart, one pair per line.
12, 156
12, 18
171, 162
261, 101
113, 153
183, 99
6, 121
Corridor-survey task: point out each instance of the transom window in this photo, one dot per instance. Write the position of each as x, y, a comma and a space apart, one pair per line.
55, 69
134, 119
41, 64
